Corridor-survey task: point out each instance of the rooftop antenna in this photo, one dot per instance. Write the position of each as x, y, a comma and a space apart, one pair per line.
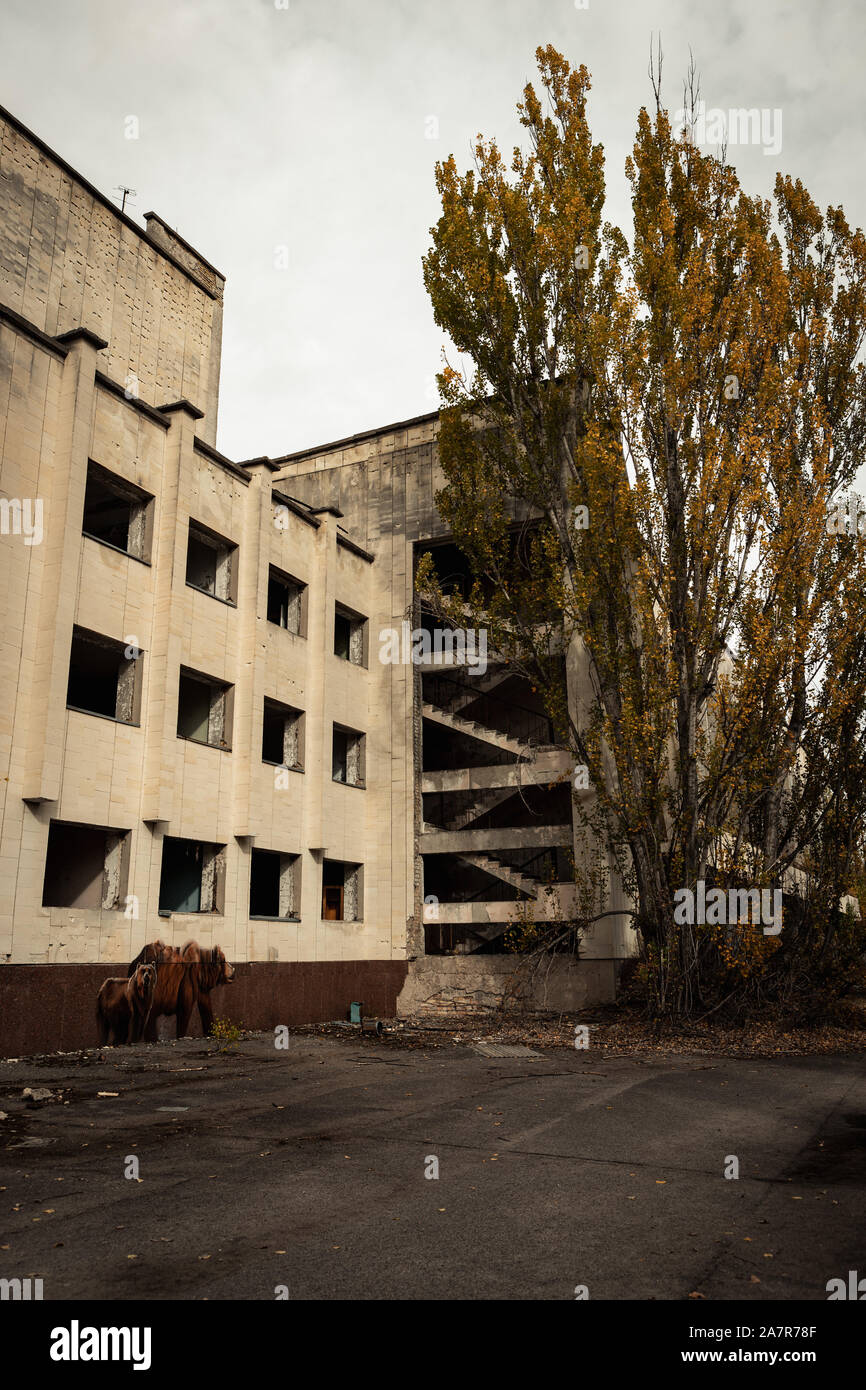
121, 188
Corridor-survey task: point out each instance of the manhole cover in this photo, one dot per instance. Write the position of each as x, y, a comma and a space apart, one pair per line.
504, 1050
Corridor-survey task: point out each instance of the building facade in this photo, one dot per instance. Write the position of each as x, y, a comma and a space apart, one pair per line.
205, 729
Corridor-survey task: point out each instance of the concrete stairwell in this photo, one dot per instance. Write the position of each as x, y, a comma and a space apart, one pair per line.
476, 809
476, 687
524, 883
471, 729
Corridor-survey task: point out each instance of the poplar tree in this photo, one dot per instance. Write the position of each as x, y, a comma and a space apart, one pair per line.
639, 460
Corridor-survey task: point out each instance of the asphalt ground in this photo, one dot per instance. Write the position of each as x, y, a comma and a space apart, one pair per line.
301, 1173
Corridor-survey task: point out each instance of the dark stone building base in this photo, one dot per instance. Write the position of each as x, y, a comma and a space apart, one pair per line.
52, 1008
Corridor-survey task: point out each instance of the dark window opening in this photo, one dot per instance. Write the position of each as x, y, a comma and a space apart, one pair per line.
211, 563
283, 735
452, 567
274, 884
347, 758
204, 710
192, 876
339, 756
286, 602
342, 891
102, 678
525, 562
342, 636
350, 636
116, 513
85, 866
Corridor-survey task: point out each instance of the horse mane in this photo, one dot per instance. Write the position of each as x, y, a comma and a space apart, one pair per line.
211, 963
153, 953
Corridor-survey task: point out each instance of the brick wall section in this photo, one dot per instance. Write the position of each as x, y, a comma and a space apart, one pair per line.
53, 1007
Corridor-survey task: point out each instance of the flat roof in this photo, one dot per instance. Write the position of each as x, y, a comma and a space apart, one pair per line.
355, 438
112, 207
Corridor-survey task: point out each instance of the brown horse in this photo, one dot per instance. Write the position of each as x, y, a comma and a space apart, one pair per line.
213, 970
123, 1006
184, 979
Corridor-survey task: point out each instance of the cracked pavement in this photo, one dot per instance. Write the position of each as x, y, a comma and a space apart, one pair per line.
304, 1169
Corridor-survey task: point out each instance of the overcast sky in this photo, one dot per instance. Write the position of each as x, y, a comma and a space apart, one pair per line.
308, 127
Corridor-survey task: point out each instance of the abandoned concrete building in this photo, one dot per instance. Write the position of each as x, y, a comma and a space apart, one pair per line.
202, 735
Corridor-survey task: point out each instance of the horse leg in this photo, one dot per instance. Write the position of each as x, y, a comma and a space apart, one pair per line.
185, 1003
205, 1014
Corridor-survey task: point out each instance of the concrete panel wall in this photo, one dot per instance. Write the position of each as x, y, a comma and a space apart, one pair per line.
140, 778
69, 259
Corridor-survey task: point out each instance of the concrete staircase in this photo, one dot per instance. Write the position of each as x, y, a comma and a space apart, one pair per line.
476, 687
524, 883
476, 809
471, 729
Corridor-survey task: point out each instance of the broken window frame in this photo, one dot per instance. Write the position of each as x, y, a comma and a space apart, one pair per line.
294, 730
139, 535
211, 888
354, 766
115, 865
351, 891
356, 644
289, 886
225, 576
295, 602
220, 710
127, 708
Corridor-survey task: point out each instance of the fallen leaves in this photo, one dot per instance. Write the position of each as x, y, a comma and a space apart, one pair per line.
623, 1030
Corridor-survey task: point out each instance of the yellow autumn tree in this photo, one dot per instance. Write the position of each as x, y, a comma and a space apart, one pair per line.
641, 463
